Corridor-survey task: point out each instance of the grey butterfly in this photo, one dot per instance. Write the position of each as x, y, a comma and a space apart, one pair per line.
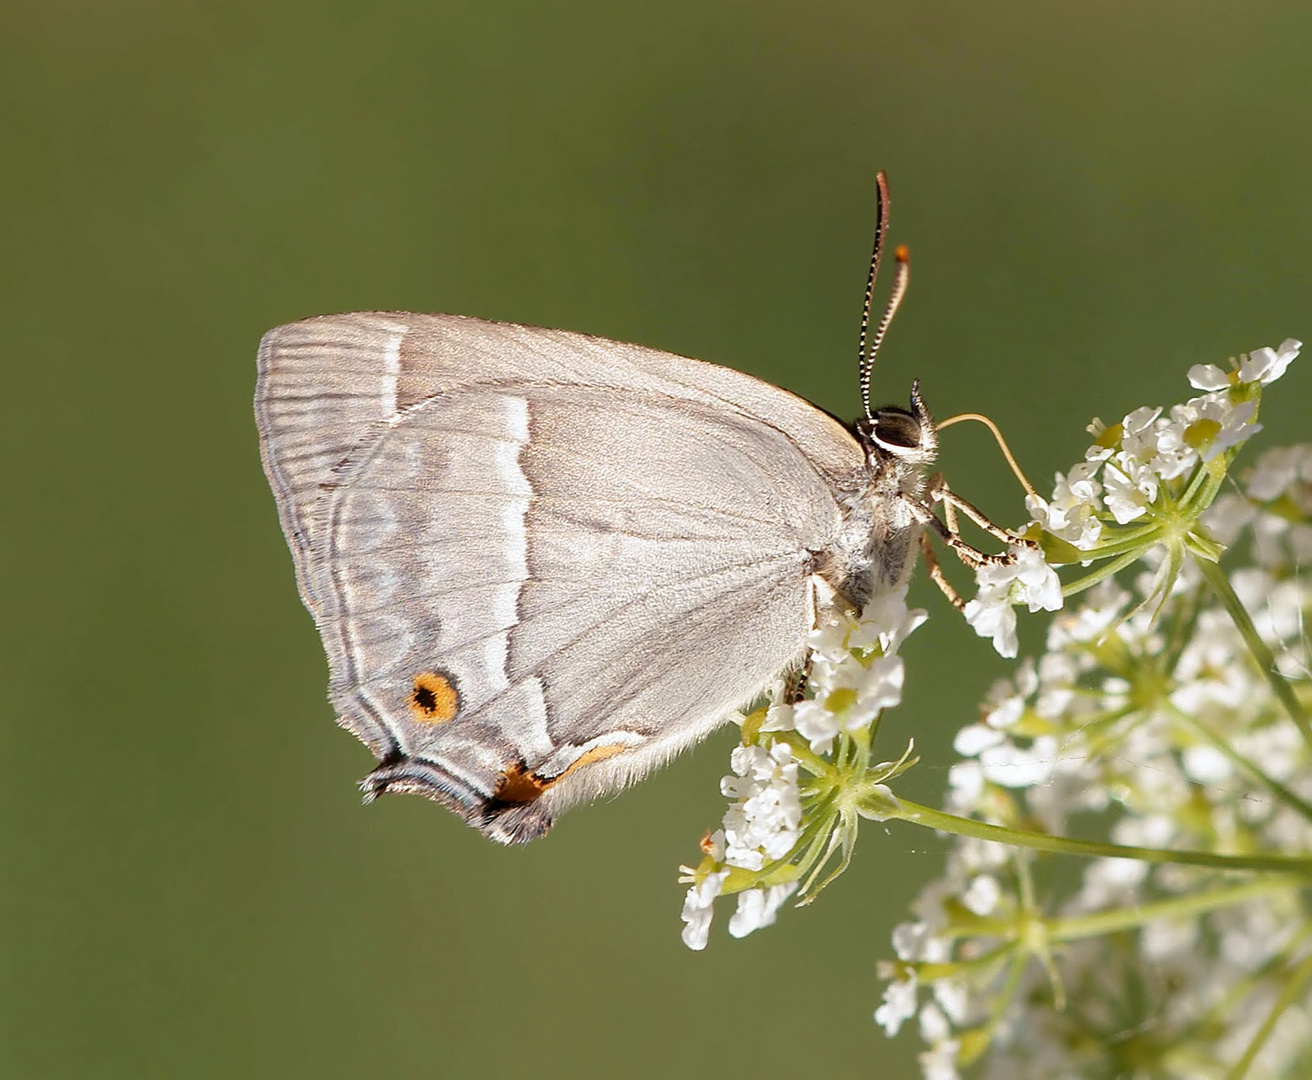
543, 563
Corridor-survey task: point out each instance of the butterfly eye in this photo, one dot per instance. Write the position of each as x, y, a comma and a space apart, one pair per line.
896, 430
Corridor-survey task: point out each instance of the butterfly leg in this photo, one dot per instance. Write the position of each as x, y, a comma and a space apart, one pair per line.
971, 556
794, 686
952, 502
936, 573
939, 492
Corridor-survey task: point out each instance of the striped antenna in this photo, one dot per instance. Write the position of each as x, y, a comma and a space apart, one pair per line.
903, 256
881, 224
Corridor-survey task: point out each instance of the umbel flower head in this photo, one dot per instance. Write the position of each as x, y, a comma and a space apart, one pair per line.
1167, 716
803, 776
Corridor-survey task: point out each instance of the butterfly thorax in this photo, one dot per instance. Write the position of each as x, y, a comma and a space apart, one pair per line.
884, 511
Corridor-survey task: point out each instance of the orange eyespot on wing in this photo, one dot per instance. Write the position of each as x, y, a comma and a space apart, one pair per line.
434, 699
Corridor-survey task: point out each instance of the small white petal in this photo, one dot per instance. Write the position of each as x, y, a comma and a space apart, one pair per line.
1040, 585
698, 906
1125, 498
934, 1026
966, 783
996, 620
1139, 420
1267, 365
758, 908
1013, 767
954, 997
1208, 377
1207, 765
817, 724
983, 894
909, 941
778, 718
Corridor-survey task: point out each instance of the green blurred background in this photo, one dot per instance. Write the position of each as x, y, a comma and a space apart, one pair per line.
1097, 196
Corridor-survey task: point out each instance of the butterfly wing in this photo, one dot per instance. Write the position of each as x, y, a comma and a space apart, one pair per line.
541, 562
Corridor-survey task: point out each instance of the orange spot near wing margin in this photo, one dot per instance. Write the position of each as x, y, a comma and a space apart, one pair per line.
517, 785
597, 753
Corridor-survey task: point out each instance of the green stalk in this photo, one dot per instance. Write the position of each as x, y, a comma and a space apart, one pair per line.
1125, 538
1261, 653
1062, 845
1105, 571
1110, 922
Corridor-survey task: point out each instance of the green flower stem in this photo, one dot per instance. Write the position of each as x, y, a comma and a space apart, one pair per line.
1295, 984
1124, 538
1007, 991
1201, 490
1261, 653
1114, 920
811, 761
978, 966
1062, 845
1199, 477
1177, 907
1105, 571
1095, 728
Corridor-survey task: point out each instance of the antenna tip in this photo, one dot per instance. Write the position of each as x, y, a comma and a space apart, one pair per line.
902, 254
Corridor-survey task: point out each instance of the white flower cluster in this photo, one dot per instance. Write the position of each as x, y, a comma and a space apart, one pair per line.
760, 826
855, 673
1160, 727
848, 693
1123, 471
761, 823
1125, 475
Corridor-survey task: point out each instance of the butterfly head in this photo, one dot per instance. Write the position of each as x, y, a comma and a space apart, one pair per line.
906, 436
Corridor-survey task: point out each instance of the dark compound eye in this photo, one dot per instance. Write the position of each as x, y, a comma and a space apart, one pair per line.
896, 429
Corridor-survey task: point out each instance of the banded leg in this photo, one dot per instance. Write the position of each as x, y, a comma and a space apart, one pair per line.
936, 573
794, 687
939, 492
971, 556
952, 502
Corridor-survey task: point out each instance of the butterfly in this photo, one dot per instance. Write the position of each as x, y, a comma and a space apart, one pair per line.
543, 563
